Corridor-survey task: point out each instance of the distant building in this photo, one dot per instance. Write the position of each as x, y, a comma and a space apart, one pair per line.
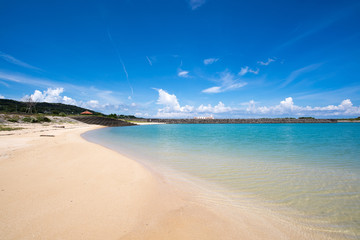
86, 113
208, 117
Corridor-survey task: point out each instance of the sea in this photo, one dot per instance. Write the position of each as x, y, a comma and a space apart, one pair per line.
308, 171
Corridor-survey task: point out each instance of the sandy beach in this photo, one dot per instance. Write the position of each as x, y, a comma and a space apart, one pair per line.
59, 186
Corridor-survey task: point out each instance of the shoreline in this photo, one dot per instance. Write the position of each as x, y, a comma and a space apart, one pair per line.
65, 187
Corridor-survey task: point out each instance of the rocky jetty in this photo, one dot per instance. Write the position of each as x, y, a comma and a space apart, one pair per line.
103, 121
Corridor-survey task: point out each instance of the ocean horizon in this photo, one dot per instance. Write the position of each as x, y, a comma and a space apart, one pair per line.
305, 171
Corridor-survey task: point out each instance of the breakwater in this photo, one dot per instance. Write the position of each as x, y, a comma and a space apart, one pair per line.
109, 122
238, 121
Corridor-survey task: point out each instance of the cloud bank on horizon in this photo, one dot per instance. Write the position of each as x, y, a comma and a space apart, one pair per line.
186, 58
285, 108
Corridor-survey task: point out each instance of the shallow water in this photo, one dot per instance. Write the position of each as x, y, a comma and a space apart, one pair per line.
312, 169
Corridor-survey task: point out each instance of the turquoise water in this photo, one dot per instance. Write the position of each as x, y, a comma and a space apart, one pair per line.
312, 169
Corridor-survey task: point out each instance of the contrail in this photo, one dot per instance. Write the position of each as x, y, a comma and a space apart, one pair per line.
149, 60
120, 60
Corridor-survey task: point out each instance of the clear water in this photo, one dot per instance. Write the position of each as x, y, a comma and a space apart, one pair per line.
312, 169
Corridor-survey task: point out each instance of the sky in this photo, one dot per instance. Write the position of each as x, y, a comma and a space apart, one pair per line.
185, 58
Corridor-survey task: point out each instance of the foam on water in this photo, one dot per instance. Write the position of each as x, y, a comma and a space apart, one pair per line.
311, 169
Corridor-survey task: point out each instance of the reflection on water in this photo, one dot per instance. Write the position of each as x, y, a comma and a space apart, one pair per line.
313, 169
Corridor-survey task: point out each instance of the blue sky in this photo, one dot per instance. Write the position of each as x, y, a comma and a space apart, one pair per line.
185, 58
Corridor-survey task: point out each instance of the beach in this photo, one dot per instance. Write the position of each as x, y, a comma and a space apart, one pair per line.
60, 186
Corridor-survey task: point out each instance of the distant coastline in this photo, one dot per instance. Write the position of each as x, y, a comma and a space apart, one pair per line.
239, 121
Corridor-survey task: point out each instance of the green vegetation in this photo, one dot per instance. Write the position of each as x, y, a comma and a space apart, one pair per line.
57, 109
113, 115
37, 119
122, 117
14, 119
29, 120
3, 128
127, 117
12, 106
306, 118
42, 118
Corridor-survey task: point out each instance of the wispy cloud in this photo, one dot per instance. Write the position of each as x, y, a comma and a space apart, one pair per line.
228, 82
329, 95
194, 4
270, 60
246, 69
295, 74
81, 91
183, 73
325, 23
16, 61
209, 61
29, 80
149, 61
120, 60
1, 96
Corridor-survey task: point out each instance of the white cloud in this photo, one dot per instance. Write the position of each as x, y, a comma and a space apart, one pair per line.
212, 90
183, 74
243, 71
15, 61
92, 104
140, 114
104, 95
220, 108
1, 96
50, 95
288, 107
254, 71
68, 100
172, 108
270, 60
171, 103
209, 61
246, 69
167, 99
228, 82
53, 95
194, 4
